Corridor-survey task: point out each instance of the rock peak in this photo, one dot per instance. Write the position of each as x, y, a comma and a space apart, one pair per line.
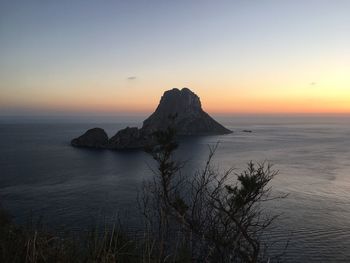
190, 117
178, 101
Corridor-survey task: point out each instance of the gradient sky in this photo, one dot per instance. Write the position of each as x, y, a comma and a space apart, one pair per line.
118, 57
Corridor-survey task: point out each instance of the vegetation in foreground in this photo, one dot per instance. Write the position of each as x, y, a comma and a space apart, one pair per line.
207, 217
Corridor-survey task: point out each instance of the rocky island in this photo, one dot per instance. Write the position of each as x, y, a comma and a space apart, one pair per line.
180, 109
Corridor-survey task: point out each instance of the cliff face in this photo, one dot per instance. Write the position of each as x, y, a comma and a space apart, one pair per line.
179, 109
128, 138
189, 117
93, 138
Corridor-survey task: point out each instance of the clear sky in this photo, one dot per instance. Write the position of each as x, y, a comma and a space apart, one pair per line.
118, 57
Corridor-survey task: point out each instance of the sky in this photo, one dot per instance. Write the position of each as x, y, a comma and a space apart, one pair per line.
118, 57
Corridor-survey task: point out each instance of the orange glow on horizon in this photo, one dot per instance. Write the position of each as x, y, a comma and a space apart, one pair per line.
280, 105
242, 95
215, 103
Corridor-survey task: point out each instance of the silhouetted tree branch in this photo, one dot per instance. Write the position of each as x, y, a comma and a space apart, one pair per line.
220, 219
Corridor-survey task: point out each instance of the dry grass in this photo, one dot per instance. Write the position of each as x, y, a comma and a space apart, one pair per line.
33, 244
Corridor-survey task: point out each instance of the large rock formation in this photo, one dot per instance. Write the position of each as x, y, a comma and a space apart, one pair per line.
189, 117
179, 109
93, 138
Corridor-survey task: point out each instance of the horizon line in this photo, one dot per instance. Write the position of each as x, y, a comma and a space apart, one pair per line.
143, 114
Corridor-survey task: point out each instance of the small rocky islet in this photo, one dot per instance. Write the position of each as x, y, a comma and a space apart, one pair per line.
188, 119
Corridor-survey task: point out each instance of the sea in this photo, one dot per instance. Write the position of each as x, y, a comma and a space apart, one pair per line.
42, 176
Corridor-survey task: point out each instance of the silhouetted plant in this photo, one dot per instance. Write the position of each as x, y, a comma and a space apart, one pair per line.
218, 219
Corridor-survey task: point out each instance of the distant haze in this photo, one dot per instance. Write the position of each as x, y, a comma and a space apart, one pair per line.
118, 57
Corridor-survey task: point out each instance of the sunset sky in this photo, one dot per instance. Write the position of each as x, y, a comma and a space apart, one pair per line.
118, 57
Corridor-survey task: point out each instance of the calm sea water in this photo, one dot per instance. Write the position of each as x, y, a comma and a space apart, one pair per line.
42, 175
